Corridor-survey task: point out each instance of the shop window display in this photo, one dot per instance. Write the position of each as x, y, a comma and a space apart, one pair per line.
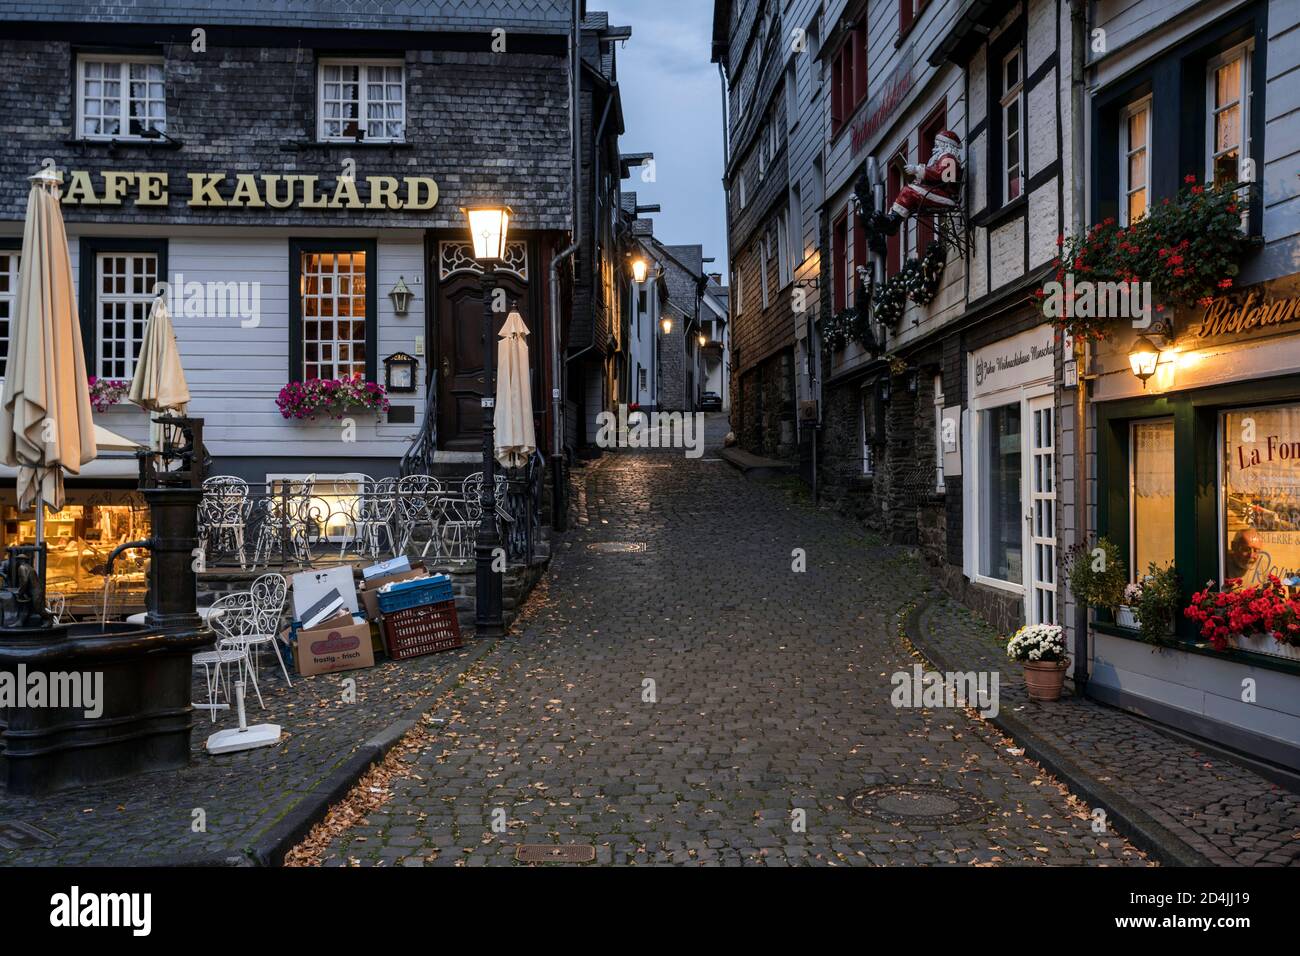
1001, 521
1152, 498
80, 538
1261, 494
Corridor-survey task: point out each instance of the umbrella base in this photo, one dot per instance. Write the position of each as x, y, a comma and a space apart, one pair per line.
84, 704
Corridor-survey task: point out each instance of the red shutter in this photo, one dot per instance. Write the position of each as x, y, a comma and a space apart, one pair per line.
837, 99
860, 75
839, 240
904, 16
930, 129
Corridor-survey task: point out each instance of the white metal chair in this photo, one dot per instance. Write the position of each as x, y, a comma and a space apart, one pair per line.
224, 618
223, 514
371, 516
258, 625
416, 510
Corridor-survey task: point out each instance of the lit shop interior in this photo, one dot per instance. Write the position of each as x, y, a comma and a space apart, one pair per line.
80, 538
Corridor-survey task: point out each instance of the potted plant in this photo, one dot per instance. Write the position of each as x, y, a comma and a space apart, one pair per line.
106, 392
1097, 575
1041, 648
335, 398
1152, 603
1264, 619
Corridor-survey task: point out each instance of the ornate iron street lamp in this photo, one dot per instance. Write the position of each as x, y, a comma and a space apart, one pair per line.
488, 226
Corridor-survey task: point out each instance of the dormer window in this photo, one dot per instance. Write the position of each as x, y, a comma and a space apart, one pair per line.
120, 97
361, 100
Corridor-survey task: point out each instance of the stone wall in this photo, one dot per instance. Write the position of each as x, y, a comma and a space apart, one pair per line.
766, 424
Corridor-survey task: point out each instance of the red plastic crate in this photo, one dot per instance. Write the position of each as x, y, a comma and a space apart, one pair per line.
426, 629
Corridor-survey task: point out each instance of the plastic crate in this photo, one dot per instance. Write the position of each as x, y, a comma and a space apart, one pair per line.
406, 594
425, 629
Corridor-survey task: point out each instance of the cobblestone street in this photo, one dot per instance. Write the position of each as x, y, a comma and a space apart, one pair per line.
679, 694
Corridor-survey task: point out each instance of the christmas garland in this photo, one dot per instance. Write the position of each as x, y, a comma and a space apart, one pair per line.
921, 276
891, 300
842, 328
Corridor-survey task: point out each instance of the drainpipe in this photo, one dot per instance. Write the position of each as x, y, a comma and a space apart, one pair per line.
600, 130
726, 204
1078, 31
559, 497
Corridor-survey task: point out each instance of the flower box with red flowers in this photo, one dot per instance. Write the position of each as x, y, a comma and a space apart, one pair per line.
1260, 618
331, 398
106, 392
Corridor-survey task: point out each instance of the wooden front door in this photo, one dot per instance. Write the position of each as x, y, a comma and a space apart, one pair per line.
462, 379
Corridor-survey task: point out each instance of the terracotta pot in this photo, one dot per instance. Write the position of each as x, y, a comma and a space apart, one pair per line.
1044, 679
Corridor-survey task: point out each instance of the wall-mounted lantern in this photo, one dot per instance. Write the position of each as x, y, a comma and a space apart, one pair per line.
401, 296
1143, 358
667, 325
399, 372
638, 270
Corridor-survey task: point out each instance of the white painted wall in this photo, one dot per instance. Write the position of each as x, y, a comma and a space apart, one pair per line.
235, 373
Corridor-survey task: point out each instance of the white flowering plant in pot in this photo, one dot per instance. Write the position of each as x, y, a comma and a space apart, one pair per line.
1038, 643
1041, 648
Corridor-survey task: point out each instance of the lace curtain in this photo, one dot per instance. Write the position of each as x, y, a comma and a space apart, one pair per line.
1153, 459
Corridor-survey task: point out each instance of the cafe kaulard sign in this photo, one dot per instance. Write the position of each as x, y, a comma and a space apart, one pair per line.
255, 191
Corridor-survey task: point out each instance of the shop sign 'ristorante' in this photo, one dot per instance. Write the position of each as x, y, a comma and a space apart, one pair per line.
278, 191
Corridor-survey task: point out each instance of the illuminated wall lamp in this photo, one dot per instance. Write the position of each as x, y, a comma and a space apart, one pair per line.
1143, 358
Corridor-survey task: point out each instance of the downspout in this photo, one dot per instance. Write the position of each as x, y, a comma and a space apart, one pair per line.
599, 132
1078, 32
726, 205
559, 498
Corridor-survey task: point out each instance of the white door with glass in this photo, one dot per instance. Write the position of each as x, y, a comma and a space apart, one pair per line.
1040, 515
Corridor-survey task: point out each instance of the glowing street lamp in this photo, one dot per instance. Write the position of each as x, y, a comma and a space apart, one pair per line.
667, 325
638, 271
488, 226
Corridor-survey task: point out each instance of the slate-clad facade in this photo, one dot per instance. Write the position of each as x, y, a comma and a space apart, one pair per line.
282, 207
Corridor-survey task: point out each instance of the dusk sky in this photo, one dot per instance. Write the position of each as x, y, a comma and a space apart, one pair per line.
672, 106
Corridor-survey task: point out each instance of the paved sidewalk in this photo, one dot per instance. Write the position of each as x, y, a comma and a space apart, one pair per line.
1226, 814
683, 693
235, 808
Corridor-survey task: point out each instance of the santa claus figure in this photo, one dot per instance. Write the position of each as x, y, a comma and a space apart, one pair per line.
933, 187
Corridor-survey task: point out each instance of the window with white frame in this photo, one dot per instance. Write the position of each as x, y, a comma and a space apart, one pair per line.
938, 434
740, 187
362, 99
764, 258
334, 315
1228, 115
124, 292
8, 301
120, 97
1013, 138
1135, 161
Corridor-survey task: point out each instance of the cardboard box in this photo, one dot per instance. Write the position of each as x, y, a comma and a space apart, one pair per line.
369, 590
397, 565
310, 587
341, 645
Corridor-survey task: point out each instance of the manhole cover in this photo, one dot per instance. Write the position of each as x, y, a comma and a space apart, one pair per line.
616, 547
547, 853
15, 835
919, 804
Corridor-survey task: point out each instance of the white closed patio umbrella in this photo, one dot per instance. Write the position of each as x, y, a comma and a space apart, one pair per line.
159, 382
515, 439
45, 417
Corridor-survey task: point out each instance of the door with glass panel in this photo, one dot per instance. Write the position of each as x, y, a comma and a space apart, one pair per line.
1040, 518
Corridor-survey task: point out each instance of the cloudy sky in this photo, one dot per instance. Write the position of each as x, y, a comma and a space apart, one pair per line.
672, 107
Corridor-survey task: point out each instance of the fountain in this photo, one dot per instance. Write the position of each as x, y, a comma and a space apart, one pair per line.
143, 716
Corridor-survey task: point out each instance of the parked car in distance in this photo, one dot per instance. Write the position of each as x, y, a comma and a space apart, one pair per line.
711, 402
